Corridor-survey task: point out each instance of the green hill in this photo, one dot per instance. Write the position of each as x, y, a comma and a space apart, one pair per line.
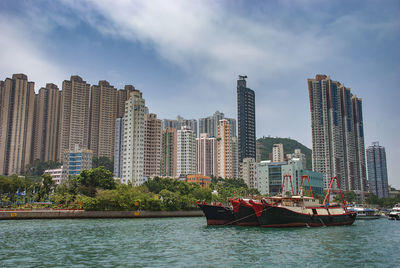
288, 146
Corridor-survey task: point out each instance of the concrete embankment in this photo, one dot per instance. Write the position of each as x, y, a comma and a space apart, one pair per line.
82, 214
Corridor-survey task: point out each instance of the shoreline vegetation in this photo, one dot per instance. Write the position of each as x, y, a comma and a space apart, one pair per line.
96, 190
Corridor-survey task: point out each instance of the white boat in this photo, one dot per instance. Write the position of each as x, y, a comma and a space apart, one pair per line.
395, 213
364, 213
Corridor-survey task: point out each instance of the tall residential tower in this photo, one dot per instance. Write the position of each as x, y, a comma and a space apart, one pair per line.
337, 133
246, 120
377, 170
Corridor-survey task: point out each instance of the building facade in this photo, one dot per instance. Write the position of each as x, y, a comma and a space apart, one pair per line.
103, 112
186, 152
377, 170
202, 180
209, 124
225, 149
75, 114
169, 153
118, 147
207, 155
46, 136
152, 145
133, 161
56, 174
76, 160
278, 154
248, 172
246, 120
298, 154
17, 104
337, 133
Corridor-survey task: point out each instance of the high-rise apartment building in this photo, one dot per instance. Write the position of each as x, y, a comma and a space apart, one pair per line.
235, 159
152, 145
46, 137
337, 133
75, 114
169, 153
103, 112
246, 120
186, 152
278, 154
207, 155
377, 170
133, 160
17, 103
122, 96
119, 147
225, 149
209, 124
179, 123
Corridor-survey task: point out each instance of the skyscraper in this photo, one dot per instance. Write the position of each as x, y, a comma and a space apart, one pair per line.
47, 124
225, 149
179, 123
133, 161
207, 155
337, 133
152, 145
209, 124
169, 152
103, 112
377, 170
17, 97
246, 120
75, 114
186, 152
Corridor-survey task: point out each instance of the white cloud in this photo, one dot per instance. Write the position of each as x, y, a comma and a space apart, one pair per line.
20, 52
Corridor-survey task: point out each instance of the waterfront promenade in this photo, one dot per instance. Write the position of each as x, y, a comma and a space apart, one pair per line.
82, 214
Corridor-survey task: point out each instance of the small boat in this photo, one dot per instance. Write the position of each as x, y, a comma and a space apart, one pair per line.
296, 211
244, 212
364, 213
395, 213
217, 213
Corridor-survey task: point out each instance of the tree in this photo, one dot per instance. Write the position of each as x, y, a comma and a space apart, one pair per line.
46, 187
37, 168
103, 161
89, 180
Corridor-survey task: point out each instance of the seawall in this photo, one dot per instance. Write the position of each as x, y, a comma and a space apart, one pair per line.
82, 214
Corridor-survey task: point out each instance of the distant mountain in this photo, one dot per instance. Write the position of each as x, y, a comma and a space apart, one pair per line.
288, 147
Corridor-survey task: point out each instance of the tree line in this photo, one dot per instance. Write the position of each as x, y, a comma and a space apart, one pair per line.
96, 189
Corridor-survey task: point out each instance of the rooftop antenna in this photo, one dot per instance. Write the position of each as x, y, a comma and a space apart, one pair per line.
242, 77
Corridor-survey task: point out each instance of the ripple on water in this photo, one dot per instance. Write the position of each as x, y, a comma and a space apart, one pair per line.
188, 242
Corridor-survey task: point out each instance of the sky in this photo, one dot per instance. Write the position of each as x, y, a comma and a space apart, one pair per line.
185, 56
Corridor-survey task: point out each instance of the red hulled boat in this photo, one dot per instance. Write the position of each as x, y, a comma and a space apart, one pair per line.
298, 211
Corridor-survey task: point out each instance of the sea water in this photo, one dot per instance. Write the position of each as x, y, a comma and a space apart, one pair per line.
189, 242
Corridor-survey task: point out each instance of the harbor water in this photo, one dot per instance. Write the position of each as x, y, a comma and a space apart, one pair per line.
189, 242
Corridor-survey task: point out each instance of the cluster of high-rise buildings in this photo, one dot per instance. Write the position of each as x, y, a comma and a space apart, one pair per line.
82, 121
338, 135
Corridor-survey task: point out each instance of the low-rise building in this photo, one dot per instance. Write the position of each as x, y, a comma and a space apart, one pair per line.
56, 174
76, 160
203, 181
269, 176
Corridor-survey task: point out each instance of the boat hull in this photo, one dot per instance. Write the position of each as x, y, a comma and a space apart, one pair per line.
244, 213
217, 214
272, 216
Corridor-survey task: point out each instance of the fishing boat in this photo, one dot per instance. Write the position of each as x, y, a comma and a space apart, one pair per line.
395, 213
296, 211
217, 213
244, 212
